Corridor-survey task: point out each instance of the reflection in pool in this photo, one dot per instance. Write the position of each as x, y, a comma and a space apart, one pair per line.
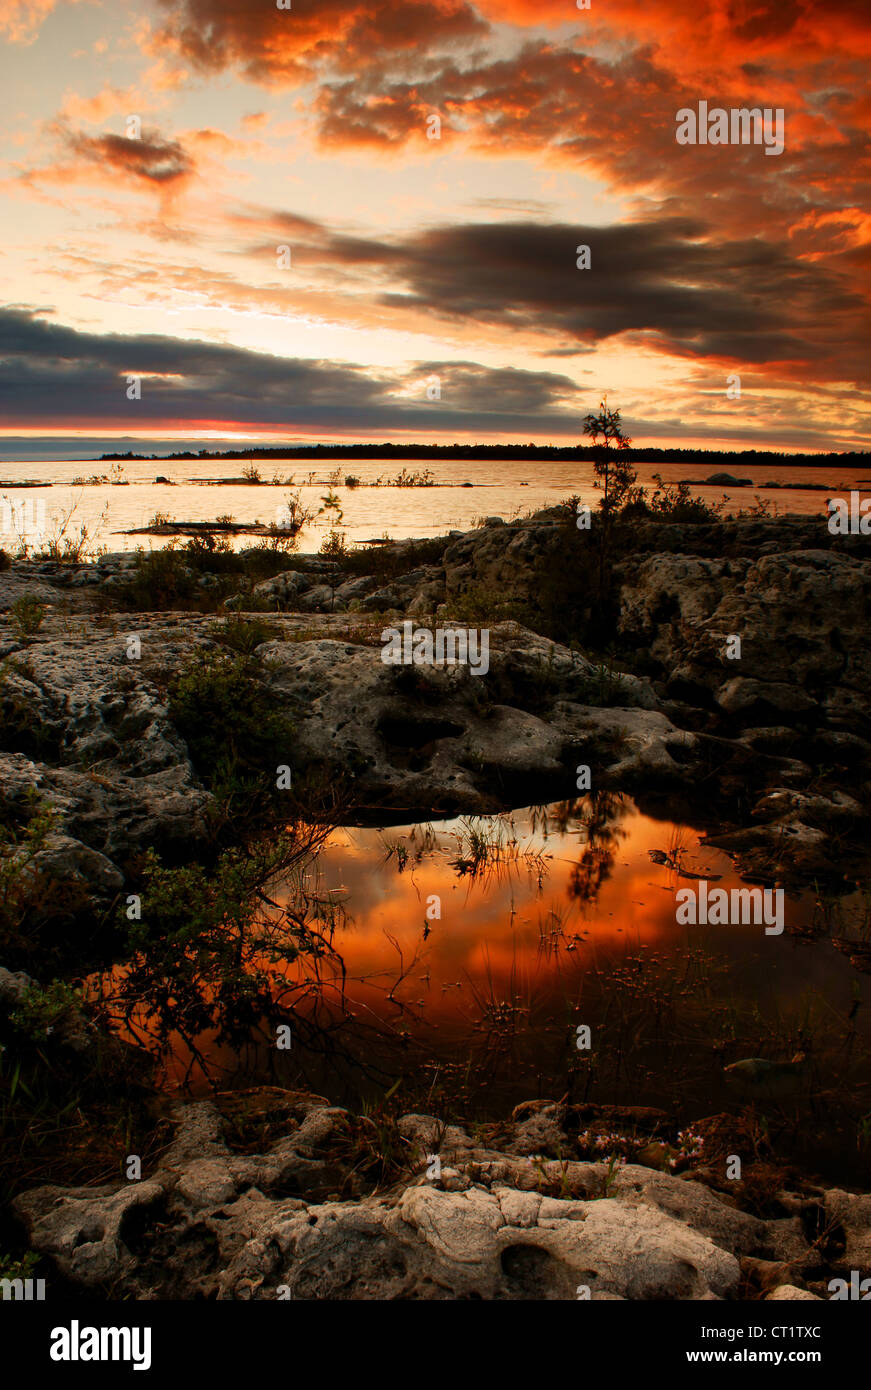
472, 950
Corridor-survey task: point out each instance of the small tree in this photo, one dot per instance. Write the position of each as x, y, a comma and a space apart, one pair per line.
614, 475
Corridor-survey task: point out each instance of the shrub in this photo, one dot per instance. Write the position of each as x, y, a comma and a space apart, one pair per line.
24, 1268
334, 545
385, 562
425, 478
205, 546
478, 603
295, 515
168, 578
37, 910
39, 1011
762, 508
244, 635
199, 957
270, 557
604, 686
27, 615
235, 736
331, 506
22, 730
67, 1115
159, 579
68, 545
672, 502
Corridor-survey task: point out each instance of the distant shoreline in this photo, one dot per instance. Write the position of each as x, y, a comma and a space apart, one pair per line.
491, 452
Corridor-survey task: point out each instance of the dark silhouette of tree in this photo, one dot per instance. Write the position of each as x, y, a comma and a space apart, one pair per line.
601, 813
614, 475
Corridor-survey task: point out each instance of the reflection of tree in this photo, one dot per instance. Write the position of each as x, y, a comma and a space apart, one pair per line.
600, 814
590, 872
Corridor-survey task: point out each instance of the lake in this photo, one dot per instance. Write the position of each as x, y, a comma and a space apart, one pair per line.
505, 489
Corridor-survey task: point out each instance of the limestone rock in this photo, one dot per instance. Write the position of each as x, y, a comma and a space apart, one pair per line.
213, 1221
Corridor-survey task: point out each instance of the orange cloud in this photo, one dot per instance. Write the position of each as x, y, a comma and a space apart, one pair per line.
603, 98
20, 20
150, 160
111, 101
287, 46
711, 35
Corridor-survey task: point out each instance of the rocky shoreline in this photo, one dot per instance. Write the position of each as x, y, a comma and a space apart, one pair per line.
776, 743
771, 753
500, 1216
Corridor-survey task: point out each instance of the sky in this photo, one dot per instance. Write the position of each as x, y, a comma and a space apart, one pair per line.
361, 221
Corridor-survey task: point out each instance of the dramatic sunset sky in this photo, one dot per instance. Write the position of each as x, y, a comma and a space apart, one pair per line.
414, 258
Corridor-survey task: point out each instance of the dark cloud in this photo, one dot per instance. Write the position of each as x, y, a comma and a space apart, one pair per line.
150, 158
51, 373
603, 98
53, 377
614, 113
673, 284
611, 113
668, 283
518, 392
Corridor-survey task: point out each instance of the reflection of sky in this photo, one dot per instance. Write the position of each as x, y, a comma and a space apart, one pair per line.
503, 489
506, 923
510, 939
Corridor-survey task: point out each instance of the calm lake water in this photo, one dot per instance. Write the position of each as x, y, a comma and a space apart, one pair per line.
467, 976
503, 489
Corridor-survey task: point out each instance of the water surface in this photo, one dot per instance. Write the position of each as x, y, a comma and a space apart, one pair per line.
473, 948
505, 489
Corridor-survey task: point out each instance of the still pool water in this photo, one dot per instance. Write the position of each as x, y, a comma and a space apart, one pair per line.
469, 951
